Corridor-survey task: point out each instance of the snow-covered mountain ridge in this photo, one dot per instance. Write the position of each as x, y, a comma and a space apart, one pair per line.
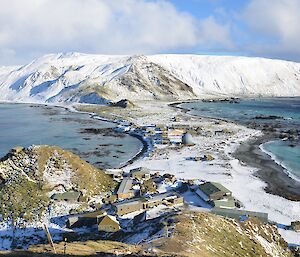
76, 77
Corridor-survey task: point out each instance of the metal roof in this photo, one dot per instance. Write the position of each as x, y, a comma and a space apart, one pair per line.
125, 186
140, 170
239, 212
129, 202
160, 197
210, 188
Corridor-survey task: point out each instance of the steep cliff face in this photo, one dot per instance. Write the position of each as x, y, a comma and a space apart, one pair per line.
74, 77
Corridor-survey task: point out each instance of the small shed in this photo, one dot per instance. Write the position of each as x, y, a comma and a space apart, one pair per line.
174, 199
175, 135
109, 224
71, 196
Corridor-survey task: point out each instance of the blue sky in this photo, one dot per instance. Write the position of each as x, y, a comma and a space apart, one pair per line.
32, 28
201, 8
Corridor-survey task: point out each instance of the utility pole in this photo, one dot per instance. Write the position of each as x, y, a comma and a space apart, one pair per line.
49, 237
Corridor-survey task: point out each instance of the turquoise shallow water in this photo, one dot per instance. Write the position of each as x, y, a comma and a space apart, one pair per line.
24, 125
285, 155
246, 113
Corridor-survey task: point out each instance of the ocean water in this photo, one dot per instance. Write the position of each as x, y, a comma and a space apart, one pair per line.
24, 125
286, 153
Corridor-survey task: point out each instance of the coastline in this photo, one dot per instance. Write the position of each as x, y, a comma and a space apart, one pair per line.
145, 146
275, 159
225, 169
145, 149
144, 142
278, 179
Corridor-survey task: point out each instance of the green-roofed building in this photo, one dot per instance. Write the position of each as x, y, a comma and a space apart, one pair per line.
85, 219
71, 196
226, 202
214, 191
239, 214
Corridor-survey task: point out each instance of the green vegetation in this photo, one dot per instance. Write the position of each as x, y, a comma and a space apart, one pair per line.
21, 198
25, 189
88, 179
130, 114
204, 234
107, 112
21, 201
87, 248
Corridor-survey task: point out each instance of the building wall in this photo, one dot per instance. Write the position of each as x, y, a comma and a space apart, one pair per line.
237, 214
108, 227
153, 203
217, 196
125, 209
127, 195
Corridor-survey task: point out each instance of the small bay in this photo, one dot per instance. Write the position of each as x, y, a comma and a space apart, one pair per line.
93, 140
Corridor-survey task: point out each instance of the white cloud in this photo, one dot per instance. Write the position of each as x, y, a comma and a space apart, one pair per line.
34, 27
216, 34
276, 22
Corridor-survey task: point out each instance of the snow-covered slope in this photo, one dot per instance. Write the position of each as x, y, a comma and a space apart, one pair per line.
75, 77
228, 75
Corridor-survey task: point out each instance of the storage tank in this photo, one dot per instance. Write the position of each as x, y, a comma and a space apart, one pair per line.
187, 139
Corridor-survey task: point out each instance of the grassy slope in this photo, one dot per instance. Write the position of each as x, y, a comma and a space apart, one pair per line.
88, 178
88, 248
26, 193
203, 234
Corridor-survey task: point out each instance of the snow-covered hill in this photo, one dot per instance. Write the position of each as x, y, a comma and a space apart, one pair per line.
228, 75
75, 77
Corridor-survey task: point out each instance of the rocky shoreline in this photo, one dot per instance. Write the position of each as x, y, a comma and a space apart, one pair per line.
277, 179
274, 175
